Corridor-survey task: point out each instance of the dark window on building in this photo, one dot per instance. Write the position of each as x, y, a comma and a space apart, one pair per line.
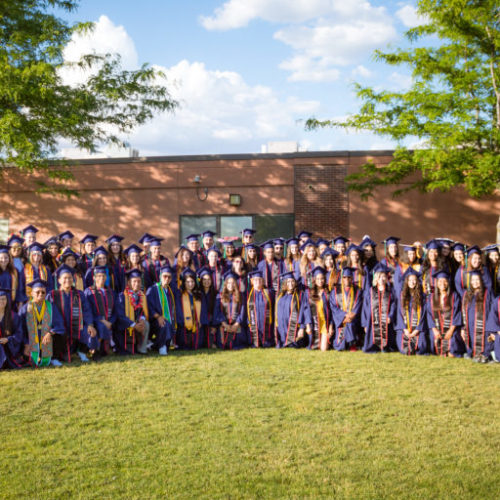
267, 226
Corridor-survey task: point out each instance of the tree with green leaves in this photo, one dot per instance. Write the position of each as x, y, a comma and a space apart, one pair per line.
452, 108
38, 109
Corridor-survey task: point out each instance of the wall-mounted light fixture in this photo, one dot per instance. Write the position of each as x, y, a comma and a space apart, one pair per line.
197, 181
235, 200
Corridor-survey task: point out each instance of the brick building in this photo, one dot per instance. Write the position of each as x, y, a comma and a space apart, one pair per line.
277, 194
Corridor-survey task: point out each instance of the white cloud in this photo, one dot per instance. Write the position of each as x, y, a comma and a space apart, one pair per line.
361, 71
409, 16
323, 34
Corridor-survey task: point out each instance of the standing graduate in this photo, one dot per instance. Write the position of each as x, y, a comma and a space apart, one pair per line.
117, 260
207, 241
369, 252
476, 305
77, 317
101, 259
310, 259
239, 268
270, 268
101, 299
41, 323
251, 256
70, 259
332, 274
88, 242
248, 238
153, 263
379, 313
279, 249
66, 240
29, 235
410, 259
15, 244
317, 297
432, 263
183, 261
474, 263
304, 236
35, 269
361, 276
292, 318
493, 330
393, 262
215, 267
346, 301
134, 261
457, 257
132, 332
208, 299
444, 318
411, 324
260, 312
340, 246
229, 315
11, 333
229, 253
193, 244
11, 279
162, 307
292, 254
51, 253
189, 315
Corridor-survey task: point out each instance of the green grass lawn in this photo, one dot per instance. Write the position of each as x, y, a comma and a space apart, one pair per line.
252, 424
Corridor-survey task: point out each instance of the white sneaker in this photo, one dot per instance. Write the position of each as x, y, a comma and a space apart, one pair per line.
149, 345
163, 351
83, 358
55, 362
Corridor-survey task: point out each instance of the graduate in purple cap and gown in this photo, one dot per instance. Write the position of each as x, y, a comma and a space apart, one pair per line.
133, 327
230, 315
346, 301
88, 242
340, 246
208, 299
332, 274
361, 275
292, 317
292, 253
51, 253
29, 235
42, 326
229, 253
476, 306
70, 259
240, 269
117, 260
393, 262
66, 240
279, 249
102, 301
134, 261
162, 305
474, 263
317, 298
193, 244
260, 312
207, 241
153, 263
457, 257
379, 313
11, 279
444, 318
35, 269
411, 323
270, 268
189, 312
183, 260
251, 256
304, 236
493, 331
493, 265
369, 252
432, 263
11, 333
248, 238
77, 316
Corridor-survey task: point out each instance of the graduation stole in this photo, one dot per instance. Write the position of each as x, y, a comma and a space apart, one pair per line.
39, 323
358, 278
165, 305
442, 319
293, 321
104, 302
275, 275
75, 312
14, 277
479, 324
216, 276
314, 306
308, 276
29, 272
87, 260
253, 316
428, 282
230, 311
411, 322
380, 304
191, 312
133, 306
153, 268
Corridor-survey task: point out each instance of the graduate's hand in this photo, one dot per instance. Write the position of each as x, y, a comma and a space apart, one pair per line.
27, 350
491, 337
46, 338
414, 333
464, 337
437, 335
3, 341
300, 333
448, 335
140, 326
213, 330
161, 321
406, 332
92, 331
106, 323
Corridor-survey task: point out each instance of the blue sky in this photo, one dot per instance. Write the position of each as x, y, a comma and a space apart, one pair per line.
248, 72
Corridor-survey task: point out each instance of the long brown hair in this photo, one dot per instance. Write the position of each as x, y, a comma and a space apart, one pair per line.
470, 293
7, 318
226, 294
409, 293
436, 303
304, 260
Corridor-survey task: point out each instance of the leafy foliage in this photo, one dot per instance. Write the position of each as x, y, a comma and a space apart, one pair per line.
37, 109
452, 108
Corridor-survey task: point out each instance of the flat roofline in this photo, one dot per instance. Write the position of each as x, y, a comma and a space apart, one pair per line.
244, 156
